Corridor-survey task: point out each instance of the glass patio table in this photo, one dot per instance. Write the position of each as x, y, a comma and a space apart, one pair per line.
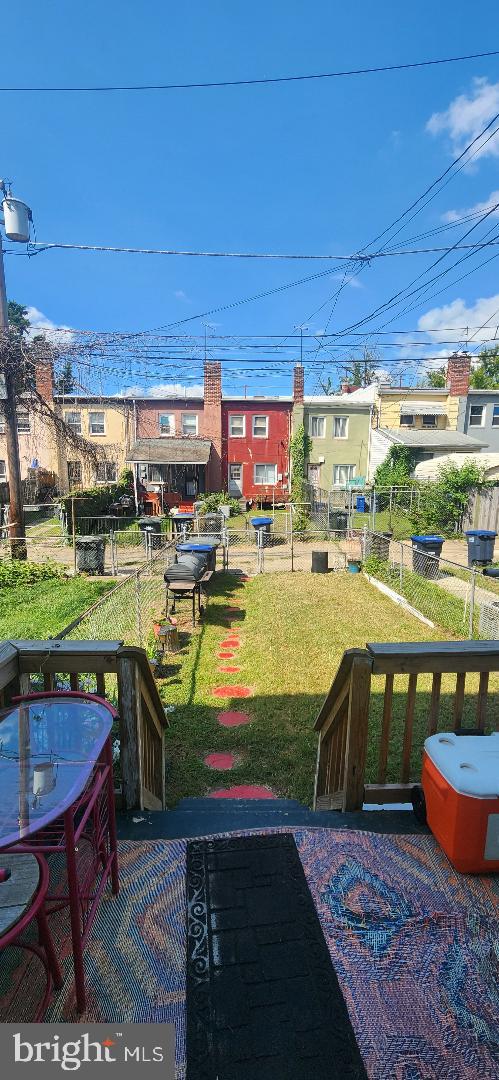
56, 795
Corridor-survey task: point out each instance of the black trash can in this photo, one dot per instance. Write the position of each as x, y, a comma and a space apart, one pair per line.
338, 520
153, 526
480, 546
422, 547
90, 554
320, 563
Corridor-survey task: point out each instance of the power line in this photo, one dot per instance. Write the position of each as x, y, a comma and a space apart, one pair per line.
244, 82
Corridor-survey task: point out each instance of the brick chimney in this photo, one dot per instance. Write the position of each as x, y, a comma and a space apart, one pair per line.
298, 384
44, 379
212, 423
347, 388
458, 374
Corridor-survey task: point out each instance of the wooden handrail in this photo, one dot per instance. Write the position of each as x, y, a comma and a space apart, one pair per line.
142, 715
343, 720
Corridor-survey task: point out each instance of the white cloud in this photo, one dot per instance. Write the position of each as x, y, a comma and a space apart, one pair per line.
41, 324
179, 294
466, 116
478, 208
163, 390
445, 323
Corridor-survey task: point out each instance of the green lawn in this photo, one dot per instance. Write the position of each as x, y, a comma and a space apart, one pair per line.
45, 608
294, 631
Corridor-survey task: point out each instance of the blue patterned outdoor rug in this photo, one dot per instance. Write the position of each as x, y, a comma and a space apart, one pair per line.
415, 947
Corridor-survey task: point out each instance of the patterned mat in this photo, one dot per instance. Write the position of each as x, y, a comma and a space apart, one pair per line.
415, 947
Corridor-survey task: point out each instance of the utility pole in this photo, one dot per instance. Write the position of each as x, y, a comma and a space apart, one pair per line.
17, 531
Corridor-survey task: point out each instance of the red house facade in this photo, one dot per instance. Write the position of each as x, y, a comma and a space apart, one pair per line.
255, 447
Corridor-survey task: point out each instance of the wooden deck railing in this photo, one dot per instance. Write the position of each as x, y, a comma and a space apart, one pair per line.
142, 716
345, 722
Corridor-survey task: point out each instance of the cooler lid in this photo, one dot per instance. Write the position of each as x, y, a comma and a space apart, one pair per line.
470, 763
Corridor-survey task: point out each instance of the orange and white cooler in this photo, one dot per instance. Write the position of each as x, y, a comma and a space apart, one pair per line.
461, 788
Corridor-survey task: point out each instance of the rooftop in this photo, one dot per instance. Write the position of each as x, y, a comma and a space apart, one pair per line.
429, 440
170, 451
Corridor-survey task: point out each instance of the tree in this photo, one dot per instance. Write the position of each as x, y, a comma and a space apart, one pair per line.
437, 378
300, 447
327, 386
18, 317
485, 376
443, 503
362, 370
396, 469
65, 383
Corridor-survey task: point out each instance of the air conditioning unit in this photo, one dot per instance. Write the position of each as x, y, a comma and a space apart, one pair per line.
279, 476
321, 460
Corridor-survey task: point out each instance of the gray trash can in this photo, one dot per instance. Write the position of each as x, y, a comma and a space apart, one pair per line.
320, 562
480, 546
90, 554
422, 547
151, 525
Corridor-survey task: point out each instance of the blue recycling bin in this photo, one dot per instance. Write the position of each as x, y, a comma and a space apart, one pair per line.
422, 547
183, 521
262, 523
360, 504
208, 549
480, 546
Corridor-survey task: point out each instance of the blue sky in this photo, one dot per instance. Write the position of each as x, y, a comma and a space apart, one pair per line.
306, 167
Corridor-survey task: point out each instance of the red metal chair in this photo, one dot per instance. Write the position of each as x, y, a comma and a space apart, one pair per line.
22, 899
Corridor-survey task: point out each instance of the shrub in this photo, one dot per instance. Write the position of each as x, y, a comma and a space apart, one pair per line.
20, 572
443, 503
212, 503
300, 448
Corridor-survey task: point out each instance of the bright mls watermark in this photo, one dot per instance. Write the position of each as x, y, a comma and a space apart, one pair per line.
44, 1050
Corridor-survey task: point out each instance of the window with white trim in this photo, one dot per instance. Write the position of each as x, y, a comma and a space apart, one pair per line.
476, 415
3, 471
340, 427
318, 427
237, 426
429, 420
106, 472
23, 422
72, 419
265, 474
407, 419
260, 427
97, 423
495, 416
189, 423
166, 423
343, 474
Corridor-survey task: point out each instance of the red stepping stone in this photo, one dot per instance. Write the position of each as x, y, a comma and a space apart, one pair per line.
243, 791
229, 670
233, 719
230, 643
232, 691
225, 655
221, 762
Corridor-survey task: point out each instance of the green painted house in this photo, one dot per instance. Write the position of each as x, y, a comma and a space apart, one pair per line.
339, 430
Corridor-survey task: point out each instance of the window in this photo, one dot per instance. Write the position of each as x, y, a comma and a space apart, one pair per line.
318, 427
495, 416
476, 415
73, 421
166, 423
3, 471
407, 420
237, 427
189, 424
23, 423
74, 473
265, 474
260, 427
97, 423
340, 427
343, 474
106, 472
429, 420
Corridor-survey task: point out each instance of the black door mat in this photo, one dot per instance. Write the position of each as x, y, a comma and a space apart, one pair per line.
263, 1000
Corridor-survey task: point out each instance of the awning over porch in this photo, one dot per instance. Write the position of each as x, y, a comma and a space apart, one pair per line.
170, 451
423, 408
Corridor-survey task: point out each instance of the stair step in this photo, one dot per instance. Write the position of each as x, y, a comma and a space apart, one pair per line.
228, 806
186, 824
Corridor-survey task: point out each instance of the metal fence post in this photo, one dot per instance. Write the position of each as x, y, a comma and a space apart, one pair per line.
291, 536
137, 607
401, 585
472, 602
363, 542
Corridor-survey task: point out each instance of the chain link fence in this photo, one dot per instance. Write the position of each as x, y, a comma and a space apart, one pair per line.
452, 596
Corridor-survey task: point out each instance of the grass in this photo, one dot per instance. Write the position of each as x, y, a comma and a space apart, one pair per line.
425, 595
294, 630
398, 522
43, 609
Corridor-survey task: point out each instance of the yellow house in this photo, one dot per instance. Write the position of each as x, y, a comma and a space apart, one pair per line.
425, 409
104, 424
